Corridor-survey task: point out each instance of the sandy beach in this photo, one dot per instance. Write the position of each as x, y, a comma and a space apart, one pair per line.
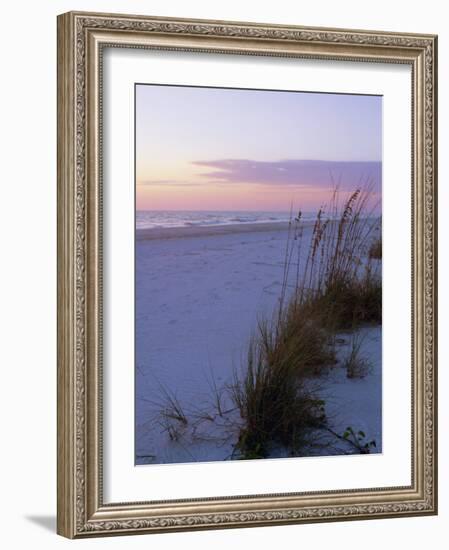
199, 294
209, 231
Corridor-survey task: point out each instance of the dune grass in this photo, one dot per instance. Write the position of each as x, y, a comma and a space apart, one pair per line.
329, 284
272, 398
375, 250
348, 303
355, 363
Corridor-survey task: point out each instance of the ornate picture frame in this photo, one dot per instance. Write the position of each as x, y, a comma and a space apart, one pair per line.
82, 40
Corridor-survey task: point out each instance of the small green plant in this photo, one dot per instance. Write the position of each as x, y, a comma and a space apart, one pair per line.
358, 440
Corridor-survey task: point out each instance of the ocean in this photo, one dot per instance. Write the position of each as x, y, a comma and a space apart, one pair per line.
148, 219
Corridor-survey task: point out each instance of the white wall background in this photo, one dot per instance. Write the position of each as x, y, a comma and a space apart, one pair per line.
28, 270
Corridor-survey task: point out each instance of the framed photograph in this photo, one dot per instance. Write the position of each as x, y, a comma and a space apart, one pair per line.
246, 274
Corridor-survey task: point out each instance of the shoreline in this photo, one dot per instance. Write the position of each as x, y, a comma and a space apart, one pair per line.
162, 233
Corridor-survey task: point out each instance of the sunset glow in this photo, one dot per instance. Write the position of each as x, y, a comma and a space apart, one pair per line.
226, 149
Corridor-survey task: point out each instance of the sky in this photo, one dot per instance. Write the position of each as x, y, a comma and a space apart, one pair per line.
228, 149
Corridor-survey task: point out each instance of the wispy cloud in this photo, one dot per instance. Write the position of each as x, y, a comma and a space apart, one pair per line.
169, 183
307, 174
293, 172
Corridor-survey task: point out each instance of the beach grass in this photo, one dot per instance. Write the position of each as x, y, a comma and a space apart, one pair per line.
273, 401
355, 363
350, 302
336, 286
375, 250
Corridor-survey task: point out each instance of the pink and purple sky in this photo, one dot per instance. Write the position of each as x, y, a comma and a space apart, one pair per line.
228, 149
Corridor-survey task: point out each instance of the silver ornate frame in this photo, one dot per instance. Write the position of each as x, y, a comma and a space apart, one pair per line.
81, 38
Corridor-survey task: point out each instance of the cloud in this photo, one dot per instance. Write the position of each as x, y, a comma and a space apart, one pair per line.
294, 172
169, 183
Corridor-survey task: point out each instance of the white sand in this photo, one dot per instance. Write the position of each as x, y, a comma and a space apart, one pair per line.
199, 292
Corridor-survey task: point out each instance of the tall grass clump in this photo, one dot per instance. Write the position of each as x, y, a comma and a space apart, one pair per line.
274, 402
329, 284
375, 250
355, 364
337, 279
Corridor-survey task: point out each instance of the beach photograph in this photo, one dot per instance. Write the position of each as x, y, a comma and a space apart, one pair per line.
258, 274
